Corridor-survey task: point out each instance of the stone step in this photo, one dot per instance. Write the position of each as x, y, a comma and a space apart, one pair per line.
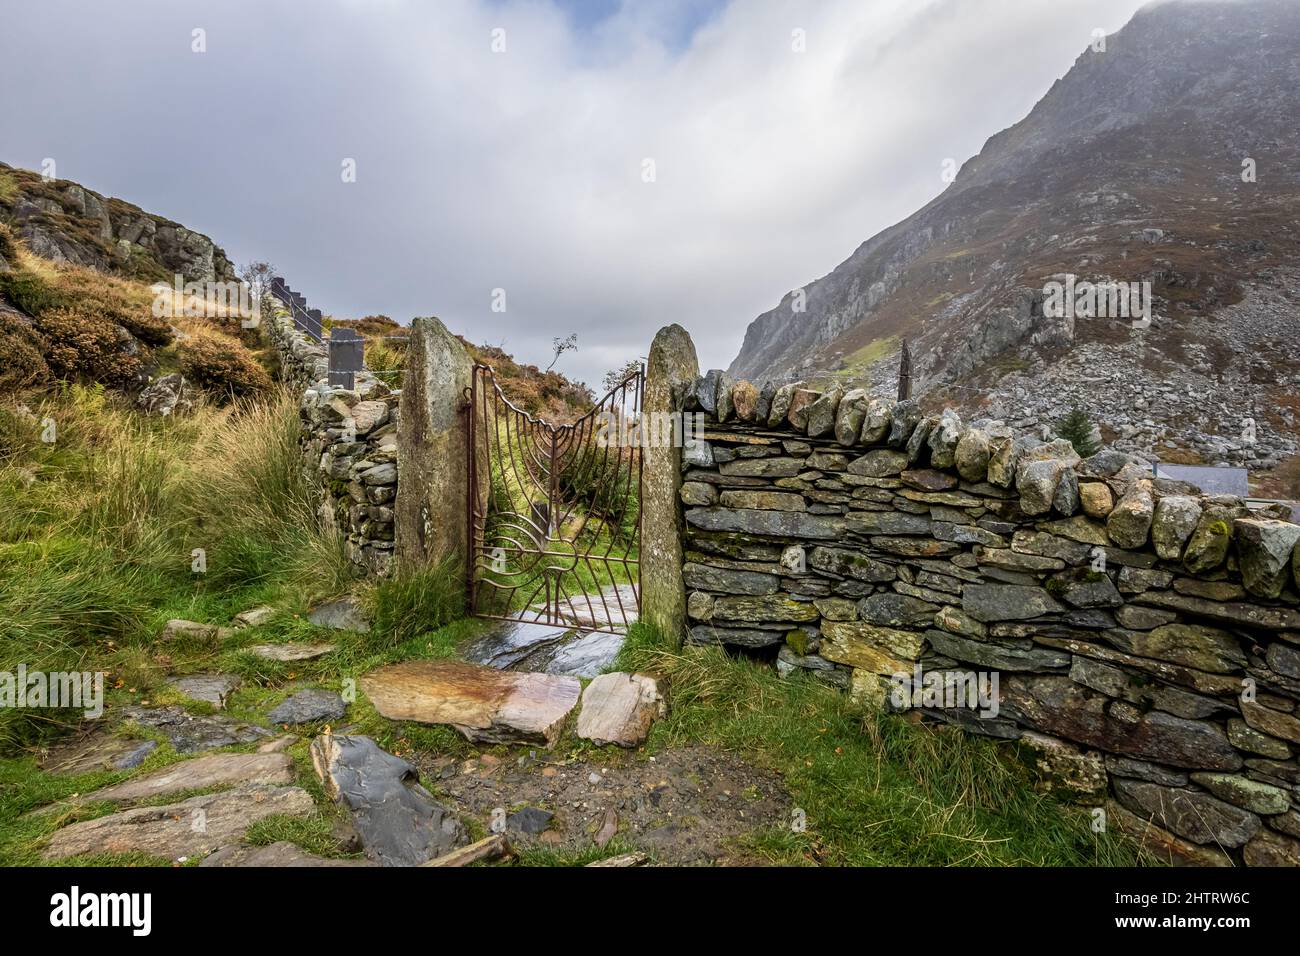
544, 648
277, 854
290, 652
486, 705
212, 770
189, 828
189, 732
398, 821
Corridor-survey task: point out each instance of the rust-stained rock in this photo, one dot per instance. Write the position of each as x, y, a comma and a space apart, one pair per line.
619, 709
484, 704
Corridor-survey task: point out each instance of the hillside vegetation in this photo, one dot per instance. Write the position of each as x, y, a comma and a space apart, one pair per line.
72, 323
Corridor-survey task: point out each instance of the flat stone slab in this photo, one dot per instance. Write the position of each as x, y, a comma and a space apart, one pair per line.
399, 822
290, 652
544, 648
283, 853
98, 751
610, 607
309, 705
180, 628
486, 705
254, 616
189, 828
214, 689
189, 733
214, 770
343, 614
587, 655
619, 709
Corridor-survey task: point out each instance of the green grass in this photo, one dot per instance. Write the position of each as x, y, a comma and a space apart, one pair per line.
875, 788
98, 530
8, 188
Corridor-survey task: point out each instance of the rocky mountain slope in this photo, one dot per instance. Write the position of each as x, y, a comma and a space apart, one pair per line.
66, 222
1131, 168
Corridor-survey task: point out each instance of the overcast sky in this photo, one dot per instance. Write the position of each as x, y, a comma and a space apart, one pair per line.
526, 169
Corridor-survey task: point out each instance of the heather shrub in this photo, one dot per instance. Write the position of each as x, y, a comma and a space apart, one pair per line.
23, 364
221, 365
81, 345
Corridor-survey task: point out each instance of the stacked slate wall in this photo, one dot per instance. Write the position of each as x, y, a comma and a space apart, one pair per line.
1145, 638
349, 443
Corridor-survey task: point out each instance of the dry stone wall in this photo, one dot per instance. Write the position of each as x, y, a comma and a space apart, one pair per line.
1140, 638
349, 443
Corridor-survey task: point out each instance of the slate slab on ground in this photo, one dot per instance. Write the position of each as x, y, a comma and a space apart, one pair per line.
484, 704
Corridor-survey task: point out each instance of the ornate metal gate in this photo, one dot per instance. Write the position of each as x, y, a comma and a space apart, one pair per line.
555, 510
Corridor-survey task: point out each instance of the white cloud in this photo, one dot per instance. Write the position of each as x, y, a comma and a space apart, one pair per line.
522, 170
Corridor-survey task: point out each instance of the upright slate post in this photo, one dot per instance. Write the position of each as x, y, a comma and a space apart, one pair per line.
347, 357
905, 374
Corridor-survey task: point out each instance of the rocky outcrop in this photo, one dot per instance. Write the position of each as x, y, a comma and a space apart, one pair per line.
1139, 637
66, 222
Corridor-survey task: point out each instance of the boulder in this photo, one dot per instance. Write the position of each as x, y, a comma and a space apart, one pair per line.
1059, 706
1208, 546
1037, 482
1243, 792
724, 407
367, 416
619, 708
1272, 849
169, 395
704, 577
880, 463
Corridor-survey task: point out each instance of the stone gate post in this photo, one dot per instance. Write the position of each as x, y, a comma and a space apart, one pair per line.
672, 366
431, 445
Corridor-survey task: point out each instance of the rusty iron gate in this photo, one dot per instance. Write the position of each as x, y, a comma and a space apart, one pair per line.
555, 510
